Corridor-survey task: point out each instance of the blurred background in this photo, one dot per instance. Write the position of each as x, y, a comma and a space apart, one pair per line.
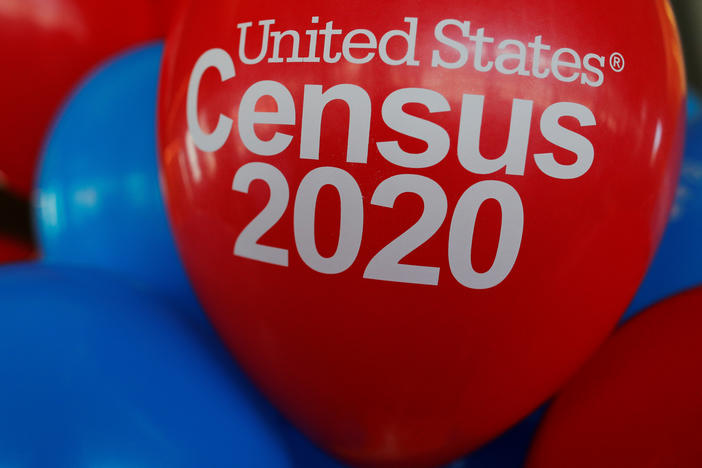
689, 14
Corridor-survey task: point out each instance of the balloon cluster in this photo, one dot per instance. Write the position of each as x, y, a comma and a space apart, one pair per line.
410, 227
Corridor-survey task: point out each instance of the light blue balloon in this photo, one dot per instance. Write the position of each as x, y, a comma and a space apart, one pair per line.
677, 265
98, 374
98, 201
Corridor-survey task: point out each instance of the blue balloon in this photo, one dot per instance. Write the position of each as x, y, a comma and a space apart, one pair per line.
97, 373
98, 201
677, 265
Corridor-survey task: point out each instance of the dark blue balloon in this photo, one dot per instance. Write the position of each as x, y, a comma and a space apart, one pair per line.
98, 201
507, 451
305, 454
96, 373
677, 265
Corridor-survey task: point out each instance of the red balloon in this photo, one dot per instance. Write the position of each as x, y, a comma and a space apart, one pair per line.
166, 10
403, 281
637, 402
48, 46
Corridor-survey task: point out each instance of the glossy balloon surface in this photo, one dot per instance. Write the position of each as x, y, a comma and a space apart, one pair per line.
48, 45
98, 373
637, 402
448, 349
98, 201
677, 265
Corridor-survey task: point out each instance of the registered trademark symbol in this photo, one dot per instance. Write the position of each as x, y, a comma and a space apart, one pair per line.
616, 61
